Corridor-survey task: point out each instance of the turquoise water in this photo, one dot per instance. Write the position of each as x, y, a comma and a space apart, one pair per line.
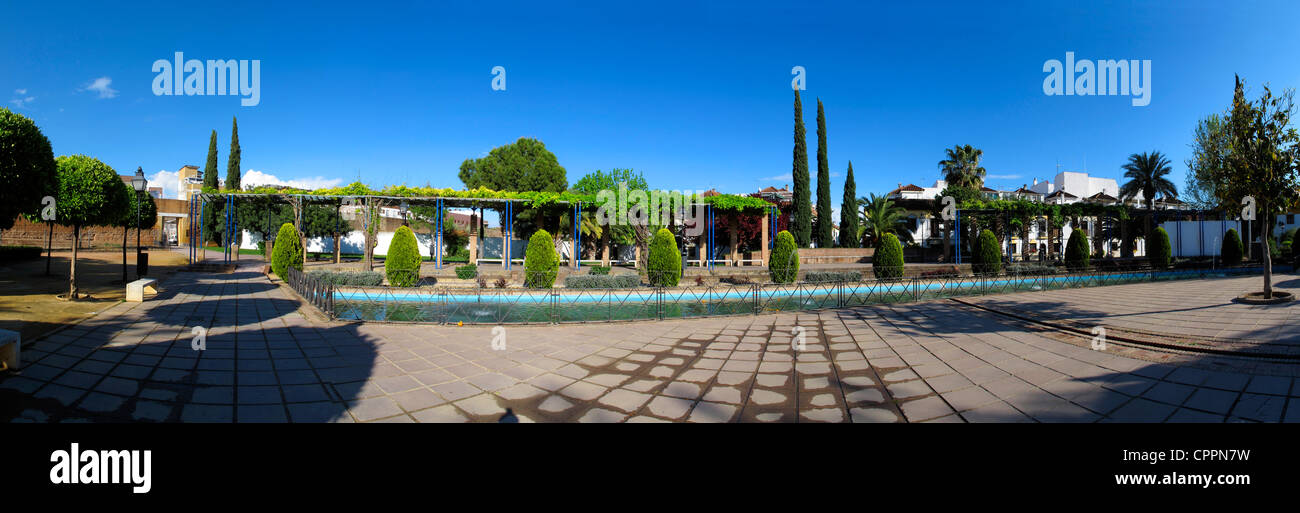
570, 305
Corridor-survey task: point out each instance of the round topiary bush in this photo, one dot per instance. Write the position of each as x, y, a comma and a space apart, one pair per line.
887, 262
665, 265
988, 256
402, 264
287, 251
1232, 249
541, 264
1158, 249
783, 265
27, 170
1077, 253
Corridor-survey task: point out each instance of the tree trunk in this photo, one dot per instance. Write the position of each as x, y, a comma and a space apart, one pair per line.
338, 249
124, 232
1268, 268
72, 273
49, 249
947, 242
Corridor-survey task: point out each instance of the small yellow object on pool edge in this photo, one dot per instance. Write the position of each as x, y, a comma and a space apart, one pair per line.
460, 323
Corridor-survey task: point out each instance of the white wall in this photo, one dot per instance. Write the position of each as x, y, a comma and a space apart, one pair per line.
1198, 238
352, 242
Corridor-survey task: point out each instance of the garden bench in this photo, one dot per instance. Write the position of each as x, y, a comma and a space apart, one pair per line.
10, 347
136, 290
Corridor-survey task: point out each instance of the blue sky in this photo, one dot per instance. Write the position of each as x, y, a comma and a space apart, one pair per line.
694, 96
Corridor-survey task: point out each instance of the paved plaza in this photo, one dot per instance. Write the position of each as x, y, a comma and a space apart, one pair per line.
268, 358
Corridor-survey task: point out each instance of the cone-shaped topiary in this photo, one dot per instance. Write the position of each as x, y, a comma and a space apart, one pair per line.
888, 259
402, 264
665, 263
1158, 249
1077, 254
287, 251
541, 264
987, 257
1232, 249
783, 265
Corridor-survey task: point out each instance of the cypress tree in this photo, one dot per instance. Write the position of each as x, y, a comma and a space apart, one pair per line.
849, 212
210, 169
802, 222
232, 163
825, 225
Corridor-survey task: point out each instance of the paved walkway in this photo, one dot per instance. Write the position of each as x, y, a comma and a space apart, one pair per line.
269, 360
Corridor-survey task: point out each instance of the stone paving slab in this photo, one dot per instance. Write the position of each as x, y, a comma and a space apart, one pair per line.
268, 359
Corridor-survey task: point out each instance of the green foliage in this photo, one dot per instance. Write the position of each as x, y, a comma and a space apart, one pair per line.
17, 253
881, 216
598, 270
210, 180
783, 264
90, 193
888, 260
351, 278
1146, 173
596, 181
402, 263
802, 222
467, 272
525, 165
287, 251
27, 169
1021, 269
1232, 249
987, 257
148, 210
849, 212
1077, 251
962, 167
832, 276
232, 160
1209, 157
1295, 250
825, 228
665, 263
617, 281
1158, 249
541, 263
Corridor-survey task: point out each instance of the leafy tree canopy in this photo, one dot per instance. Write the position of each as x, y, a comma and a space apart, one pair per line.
525, 165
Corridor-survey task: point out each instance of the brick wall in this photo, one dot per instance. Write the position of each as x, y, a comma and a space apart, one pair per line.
26, 233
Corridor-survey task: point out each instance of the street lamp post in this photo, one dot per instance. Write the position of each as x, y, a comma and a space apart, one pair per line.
141, 185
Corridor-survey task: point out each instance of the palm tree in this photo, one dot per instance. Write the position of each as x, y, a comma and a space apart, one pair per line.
1146, 173
962, 167
880, 216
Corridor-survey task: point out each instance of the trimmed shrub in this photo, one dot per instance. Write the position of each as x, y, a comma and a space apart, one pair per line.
1076, 251
602, 281
1030, 269
541, 264
598, 270
887, 263
665, 266
287, 251
15, 253
467, 272
1158, 249
783, 264
1232, 249
402, 263
987, 257
831, 276
353, 278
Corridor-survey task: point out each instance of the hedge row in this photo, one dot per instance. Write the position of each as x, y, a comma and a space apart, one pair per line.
354, 278
831, 276
602, 281
467, 272
15, 253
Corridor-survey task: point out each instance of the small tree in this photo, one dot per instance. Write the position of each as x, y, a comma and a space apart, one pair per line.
27, 169
402, 265
141, 212
1159, 249
287, 252
888, 260
1076, 251
541, 263
665, 265
849, 212
783, 264
1232, 249
90, 194
988, 256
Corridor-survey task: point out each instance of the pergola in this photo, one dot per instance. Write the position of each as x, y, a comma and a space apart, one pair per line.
226, 201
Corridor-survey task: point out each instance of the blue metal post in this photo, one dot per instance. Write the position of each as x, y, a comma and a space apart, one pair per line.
957, 251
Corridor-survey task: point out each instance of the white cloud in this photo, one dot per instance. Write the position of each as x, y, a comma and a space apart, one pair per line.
254, 177
778, 178
101, 85
1003, 177
22, 101
20, 92
169, 181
